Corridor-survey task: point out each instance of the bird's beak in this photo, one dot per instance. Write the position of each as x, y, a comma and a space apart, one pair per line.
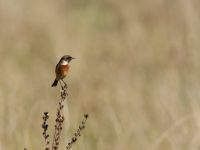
73, 58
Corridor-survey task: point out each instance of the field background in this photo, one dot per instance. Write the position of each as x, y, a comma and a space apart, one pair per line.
137, 72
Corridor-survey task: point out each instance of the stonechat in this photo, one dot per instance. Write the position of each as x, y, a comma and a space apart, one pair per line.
62, 69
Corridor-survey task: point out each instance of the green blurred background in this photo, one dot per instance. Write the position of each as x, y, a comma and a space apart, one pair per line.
136, 72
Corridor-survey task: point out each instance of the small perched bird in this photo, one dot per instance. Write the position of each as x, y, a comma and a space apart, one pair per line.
62, 69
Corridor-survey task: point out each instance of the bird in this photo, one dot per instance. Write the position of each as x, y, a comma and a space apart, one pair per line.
62, 69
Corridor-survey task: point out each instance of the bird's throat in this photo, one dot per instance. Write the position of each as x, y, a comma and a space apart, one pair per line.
64, 62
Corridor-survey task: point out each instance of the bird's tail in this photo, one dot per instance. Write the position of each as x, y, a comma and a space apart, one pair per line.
55, 83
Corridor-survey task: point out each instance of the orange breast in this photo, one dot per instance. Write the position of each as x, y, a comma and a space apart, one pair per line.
62, 71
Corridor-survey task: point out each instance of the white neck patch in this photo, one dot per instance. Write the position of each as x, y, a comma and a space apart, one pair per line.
64, 62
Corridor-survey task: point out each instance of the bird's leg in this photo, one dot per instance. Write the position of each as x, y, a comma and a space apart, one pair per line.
65, 84
61, 85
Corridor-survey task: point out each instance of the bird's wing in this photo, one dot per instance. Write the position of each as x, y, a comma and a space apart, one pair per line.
57, 67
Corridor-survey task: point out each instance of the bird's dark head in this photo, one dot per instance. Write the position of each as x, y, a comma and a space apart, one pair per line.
66, 59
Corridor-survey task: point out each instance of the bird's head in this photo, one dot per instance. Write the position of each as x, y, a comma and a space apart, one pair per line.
66, 59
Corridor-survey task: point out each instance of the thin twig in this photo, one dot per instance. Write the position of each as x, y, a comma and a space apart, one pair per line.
77, 133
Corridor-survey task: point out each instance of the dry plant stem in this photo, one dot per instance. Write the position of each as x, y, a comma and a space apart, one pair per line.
63, 86
45, 128
77, 133
59, 119
59, 124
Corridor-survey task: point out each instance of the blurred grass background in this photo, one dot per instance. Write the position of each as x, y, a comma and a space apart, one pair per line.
136, 72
